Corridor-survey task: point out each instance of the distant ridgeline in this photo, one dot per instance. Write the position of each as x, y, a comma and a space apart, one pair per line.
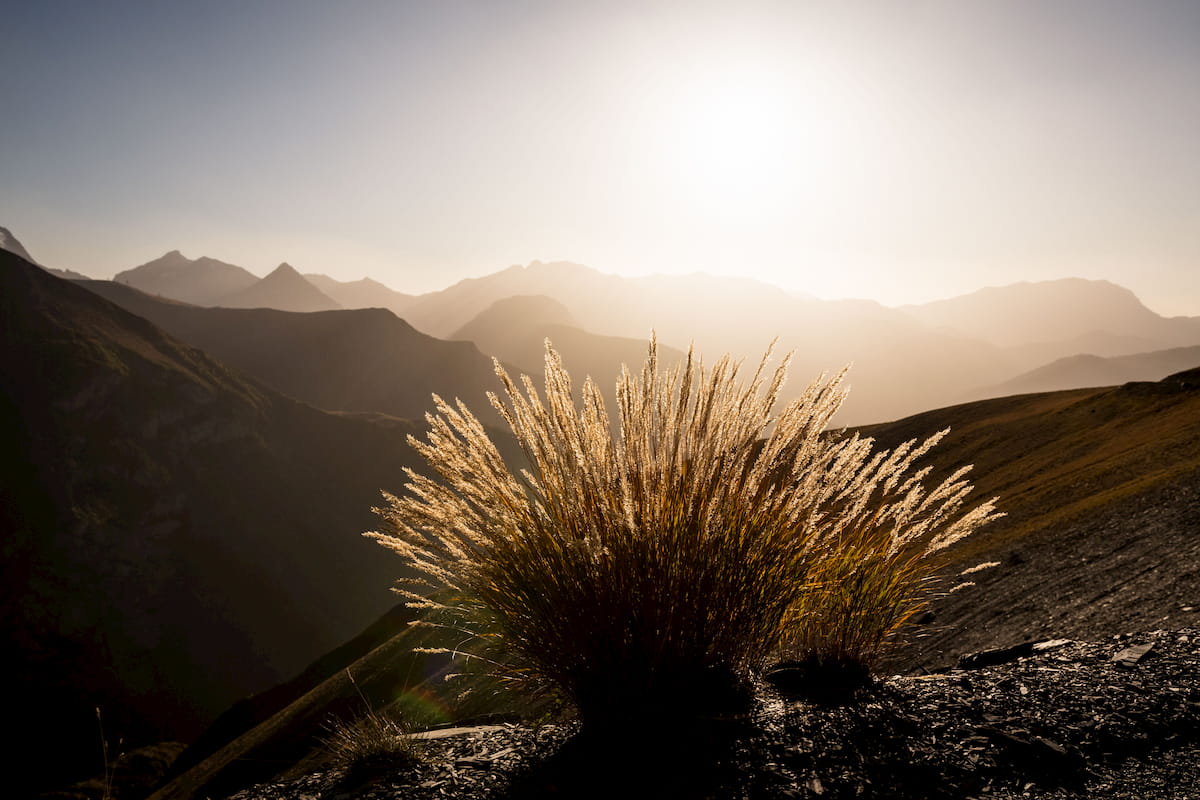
1018, 338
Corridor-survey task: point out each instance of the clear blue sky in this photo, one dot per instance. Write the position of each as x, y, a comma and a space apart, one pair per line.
900, 151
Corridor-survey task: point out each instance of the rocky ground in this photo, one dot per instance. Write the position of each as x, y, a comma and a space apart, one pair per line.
1118, 718
1134, 565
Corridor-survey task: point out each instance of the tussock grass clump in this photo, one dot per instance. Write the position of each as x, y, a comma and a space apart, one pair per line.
374, 740
656, 569
371, 741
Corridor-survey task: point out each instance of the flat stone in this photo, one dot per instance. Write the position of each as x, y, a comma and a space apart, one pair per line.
1130, 656
1000, 655
442, 733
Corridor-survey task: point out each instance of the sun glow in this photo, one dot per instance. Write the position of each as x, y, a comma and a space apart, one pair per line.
747, 146
730, 146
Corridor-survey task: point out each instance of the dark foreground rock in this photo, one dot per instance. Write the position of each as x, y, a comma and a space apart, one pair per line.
1112, 719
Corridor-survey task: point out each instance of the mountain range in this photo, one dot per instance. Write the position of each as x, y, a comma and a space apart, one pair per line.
904, 359
207, 282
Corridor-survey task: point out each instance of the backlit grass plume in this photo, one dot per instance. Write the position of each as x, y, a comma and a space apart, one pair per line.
646, 569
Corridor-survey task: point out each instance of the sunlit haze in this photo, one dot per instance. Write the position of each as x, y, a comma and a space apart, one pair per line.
900, 152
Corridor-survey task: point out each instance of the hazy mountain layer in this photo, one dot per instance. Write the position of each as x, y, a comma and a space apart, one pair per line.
175, 535
900, 366
1049, 311
905, 360
1082, 371
515, 331
364, 293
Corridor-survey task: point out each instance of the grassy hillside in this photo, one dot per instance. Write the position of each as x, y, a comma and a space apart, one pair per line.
1102, 489
1102, 492
1056, 456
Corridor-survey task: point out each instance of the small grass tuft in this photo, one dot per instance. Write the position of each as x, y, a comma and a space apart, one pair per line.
369, 743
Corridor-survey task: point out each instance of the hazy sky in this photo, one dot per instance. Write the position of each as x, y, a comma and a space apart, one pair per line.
896, 150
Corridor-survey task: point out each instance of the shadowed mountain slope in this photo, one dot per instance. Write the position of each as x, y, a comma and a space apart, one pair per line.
282, 729
175, 535
203, 281
360, 360
284, 289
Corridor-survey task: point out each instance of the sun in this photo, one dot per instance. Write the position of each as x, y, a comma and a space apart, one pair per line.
732, 145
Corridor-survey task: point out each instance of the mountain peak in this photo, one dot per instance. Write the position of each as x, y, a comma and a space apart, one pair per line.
203, 281
285, 270
284, 289
11, 244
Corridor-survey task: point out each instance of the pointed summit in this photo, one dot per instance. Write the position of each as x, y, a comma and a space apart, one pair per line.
284, 289
9, 242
